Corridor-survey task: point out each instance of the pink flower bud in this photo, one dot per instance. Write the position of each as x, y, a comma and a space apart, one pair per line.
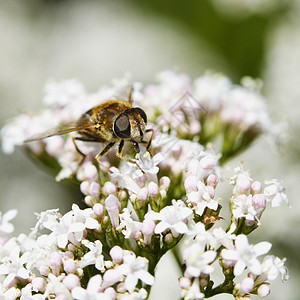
263, 290
98, 209
247, 285
71, 281
169, 238
67, 255
38, 284
212, 180
61, 297
84, 187
256, 187
184, 282
153, 188
242, 184
190, 184
94, 189
165, 182
142, 194
111, 292
69, 266
113, 206
89, 201
116, 253
90, 171
55, 260
195, 127
211, 191
44, 270
109, 187
111, 277
259, 202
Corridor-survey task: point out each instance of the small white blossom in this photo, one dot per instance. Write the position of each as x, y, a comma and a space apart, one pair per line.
274, 266
198, 261
202, 199
92, 292
134, 268
173, 217
94, 256
128, 225
13, 266
242, 207
5, 226
275, 192
193, 292
245, 255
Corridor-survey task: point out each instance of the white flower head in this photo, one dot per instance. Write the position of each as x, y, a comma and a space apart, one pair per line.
245, 255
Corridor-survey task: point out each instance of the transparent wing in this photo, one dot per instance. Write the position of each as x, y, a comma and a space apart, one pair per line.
58, 131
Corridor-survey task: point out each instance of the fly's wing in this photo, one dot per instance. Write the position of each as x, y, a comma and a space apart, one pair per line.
59, 132
124, 94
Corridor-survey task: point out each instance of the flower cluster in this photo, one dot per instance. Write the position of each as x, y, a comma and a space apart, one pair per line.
136, 212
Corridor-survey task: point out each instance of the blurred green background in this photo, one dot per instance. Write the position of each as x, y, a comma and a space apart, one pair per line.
96, 41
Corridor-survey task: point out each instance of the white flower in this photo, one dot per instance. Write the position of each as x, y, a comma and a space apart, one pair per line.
147, 163
94, 256
12, 265
5, 226
128, 225
202, 199
9, 294
223, 238
193, 292
45, 218
92, 292
140, 295
55, 286
198, 233
243, 208
123, 176
67, 229
172, 217
245, 255
198, 261
273, 266
134, 268
275, 192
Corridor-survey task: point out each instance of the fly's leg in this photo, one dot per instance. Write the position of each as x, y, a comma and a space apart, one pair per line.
120, 155
148, 144
151, 137
130, 100
83, 156
102, 153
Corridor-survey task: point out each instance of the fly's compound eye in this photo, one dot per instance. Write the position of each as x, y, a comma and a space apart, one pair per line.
141, 113
122, 127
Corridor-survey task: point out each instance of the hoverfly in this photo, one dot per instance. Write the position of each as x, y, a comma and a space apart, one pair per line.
112, 122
